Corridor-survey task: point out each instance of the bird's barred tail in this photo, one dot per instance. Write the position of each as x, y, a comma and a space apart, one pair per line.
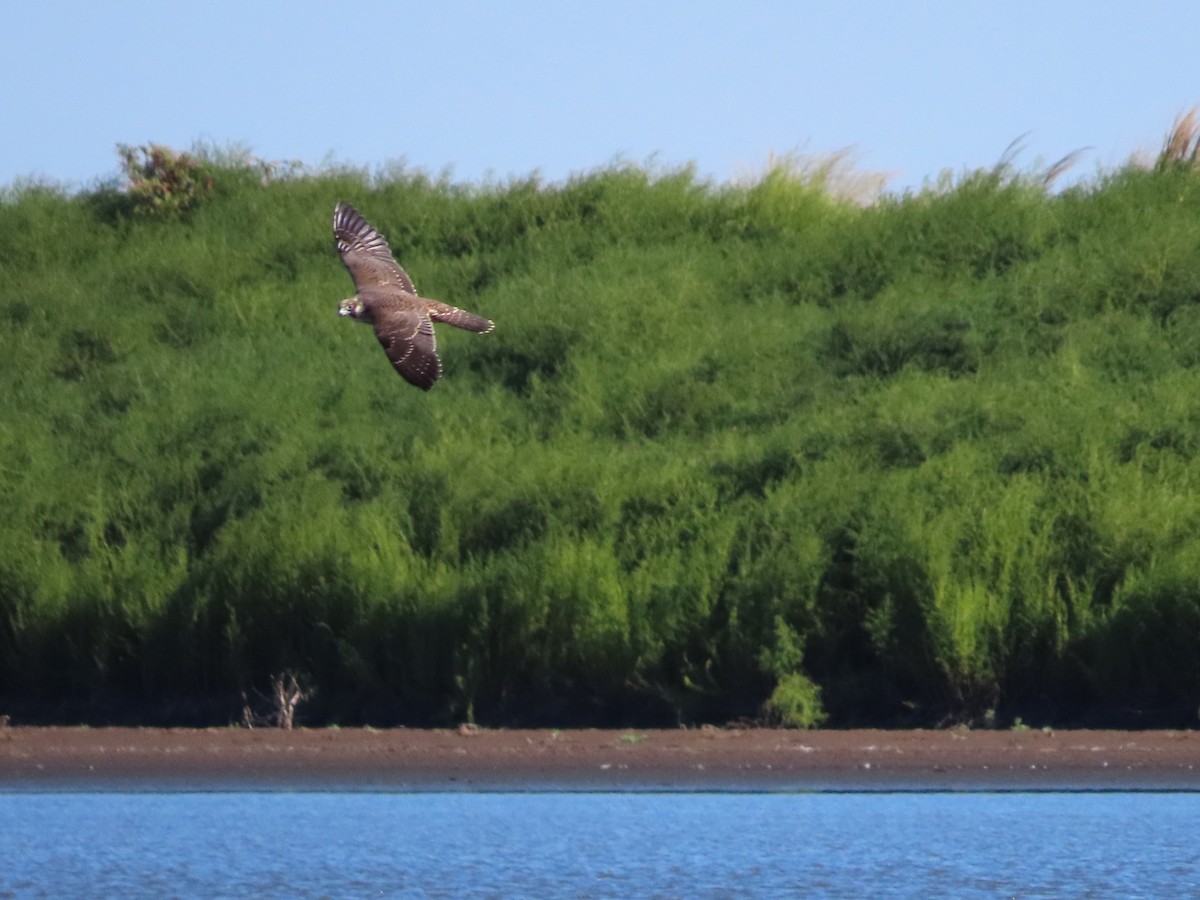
460, 318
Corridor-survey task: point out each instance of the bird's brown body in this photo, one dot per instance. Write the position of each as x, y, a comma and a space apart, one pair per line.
386, 299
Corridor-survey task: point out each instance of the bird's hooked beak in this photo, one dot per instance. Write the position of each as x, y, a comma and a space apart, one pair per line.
346, 307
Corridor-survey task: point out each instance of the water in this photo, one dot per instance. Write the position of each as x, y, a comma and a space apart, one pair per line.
597, 845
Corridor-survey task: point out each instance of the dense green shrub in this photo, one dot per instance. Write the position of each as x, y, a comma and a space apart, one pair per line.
161, 182
733, 451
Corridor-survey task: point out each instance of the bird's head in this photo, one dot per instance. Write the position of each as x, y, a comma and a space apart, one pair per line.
352, 307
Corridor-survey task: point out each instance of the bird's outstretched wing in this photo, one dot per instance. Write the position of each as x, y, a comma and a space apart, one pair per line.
365, 253
407, 338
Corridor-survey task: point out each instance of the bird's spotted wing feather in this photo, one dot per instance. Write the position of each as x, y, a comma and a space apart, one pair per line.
407, 338
365, 253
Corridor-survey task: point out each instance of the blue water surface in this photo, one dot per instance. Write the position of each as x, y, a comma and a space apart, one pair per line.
598, 845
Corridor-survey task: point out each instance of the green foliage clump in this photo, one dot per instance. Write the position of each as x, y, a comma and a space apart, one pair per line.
746, 451
796, 702
162, 182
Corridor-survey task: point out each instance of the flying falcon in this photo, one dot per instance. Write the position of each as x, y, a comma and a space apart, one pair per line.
386, 298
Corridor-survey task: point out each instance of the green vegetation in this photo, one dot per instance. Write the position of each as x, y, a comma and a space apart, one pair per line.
732, 451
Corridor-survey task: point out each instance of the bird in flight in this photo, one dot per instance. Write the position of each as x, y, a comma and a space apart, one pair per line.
386, 299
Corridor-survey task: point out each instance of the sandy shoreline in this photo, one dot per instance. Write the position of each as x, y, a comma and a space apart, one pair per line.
675, 759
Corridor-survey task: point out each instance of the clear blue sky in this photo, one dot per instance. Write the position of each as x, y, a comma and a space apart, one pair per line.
493, 89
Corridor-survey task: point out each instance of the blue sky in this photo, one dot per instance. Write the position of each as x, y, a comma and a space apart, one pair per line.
492, 90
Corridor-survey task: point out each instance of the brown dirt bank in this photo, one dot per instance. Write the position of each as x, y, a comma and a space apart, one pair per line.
675, 759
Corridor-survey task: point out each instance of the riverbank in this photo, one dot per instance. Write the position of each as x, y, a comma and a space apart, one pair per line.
587, 759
